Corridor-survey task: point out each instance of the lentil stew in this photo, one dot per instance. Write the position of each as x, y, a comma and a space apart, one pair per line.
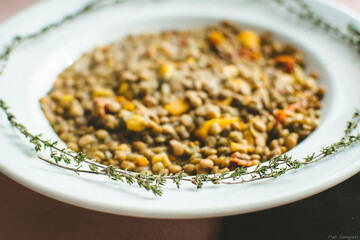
203, 101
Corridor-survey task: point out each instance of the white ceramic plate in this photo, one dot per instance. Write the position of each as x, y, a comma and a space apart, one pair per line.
34, 66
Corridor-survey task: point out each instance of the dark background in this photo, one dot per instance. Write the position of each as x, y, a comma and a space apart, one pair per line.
333, 214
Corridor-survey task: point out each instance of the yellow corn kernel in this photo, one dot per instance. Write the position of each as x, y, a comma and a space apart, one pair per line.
68, 98
203, 130
224, 122
190, 61
166, 70
129, 106
120, 99
248, 136
136, 123
65, 102
249, 39
238, 147
216, 38
124, 86
124, 148
177, 107
142, 162
161, 157
102, 92
230, 71
242, 148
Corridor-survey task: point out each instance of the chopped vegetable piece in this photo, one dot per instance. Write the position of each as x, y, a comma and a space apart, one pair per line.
161, 157
250, 40
103, 92
216, 38
249, 54
248, 136
281, 115
129, 106
100, 104
68, 97
142, 162
246, 163
177, 107
204, 128
238, 147
136, 123
124, 86
285, 62
166, 70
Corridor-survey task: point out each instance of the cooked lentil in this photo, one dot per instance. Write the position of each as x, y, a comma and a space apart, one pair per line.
202, 101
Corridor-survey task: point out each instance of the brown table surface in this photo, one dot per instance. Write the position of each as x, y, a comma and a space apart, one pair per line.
25, 214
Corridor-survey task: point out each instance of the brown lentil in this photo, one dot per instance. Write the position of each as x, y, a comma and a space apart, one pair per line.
114, 107
186, 120
174, 168
215, 169
189, 168
215, 129
100, 155
255, 157
86, 140
178, 147
101, 134
139, 146
291, 140
200, 170
260, 125
76, 110
128, 165
73, 146
157, 167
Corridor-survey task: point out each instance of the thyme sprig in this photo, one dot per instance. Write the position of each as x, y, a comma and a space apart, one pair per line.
351, 35
274, 168
67, 156
79, 163
93, 5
